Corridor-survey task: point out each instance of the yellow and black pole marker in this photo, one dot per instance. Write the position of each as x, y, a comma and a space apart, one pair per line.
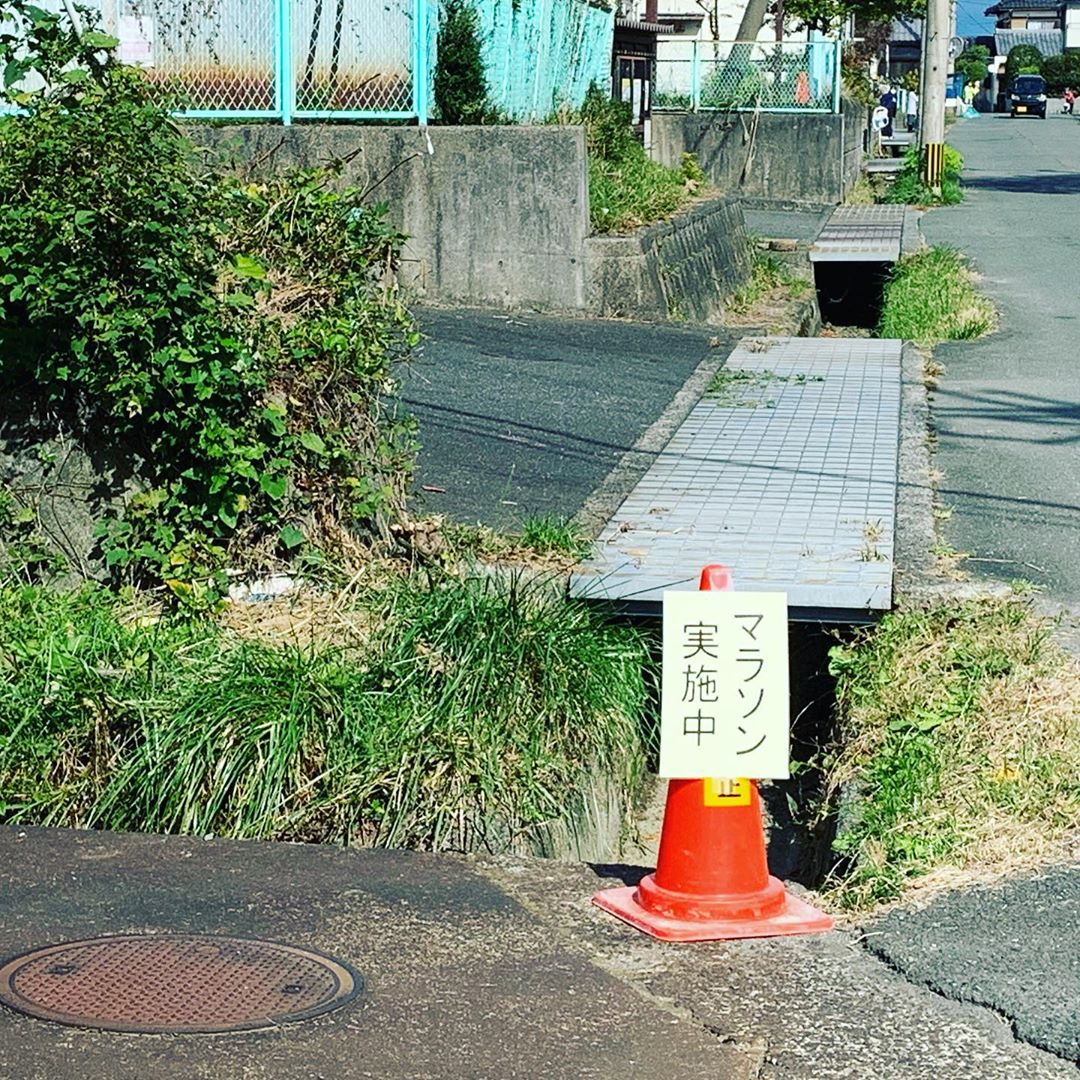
933, 163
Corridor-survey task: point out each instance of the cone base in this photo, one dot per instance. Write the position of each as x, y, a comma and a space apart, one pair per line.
797, 917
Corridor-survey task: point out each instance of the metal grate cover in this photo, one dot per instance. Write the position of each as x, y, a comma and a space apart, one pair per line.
175, 983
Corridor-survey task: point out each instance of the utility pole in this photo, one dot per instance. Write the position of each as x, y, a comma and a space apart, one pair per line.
935, 65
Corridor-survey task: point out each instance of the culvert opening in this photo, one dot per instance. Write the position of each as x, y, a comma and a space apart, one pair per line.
851, 293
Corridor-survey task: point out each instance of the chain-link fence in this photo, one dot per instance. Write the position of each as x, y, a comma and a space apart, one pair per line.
780, 76
281, 59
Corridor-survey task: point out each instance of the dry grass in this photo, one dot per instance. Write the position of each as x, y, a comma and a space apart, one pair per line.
959, 751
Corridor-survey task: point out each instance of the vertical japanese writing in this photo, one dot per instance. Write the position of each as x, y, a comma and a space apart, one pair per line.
752, 664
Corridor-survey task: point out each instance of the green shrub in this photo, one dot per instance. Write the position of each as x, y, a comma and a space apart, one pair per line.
972, 62
1061, 71
1022, 60
224, 345
461, 87
626, 187
908, 187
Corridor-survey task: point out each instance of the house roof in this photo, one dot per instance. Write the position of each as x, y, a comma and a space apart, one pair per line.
904, 29
1005, 7
1048, 42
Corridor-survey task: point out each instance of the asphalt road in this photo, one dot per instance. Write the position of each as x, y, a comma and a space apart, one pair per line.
526, 415
1008, 420
1008, 409
1013, 948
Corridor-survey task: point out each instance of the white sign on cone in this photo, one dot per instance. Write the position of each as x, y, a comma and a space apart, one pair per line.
725, 691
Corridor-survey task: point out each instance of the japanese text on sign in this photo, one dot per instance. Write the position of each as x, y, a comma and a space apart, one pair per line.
724, 705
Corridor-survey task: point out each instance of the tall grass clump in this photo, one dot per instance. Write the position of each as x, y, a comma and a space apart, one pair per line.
930, 297
627, 188
958, 749
469, 713
908, 187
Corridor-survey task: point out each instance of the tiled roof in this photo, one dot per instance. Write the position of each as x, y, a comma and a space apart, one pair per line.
1004, 7
1048, 42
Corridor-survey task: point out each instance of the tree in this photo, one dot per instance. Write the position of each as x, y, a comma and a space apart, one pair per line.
972, 64
461, 86
1022, 60
1061, 71
826, 15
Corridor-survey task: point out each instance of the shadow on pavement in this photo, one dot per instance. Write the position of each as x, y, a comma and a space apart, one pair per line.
1031, 184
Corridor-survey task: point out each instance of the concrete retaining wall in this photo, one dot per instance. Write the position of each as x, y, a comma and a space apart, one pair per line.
498, 217
678, 269
777, 159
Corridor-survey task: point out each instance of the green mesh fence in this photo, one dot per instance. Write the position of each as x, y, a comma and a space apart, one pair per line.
772, 76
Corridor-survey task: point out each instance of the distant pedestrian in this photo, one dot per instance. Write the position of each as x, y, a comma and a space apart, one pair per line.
888, 103
912, 118
1068, 100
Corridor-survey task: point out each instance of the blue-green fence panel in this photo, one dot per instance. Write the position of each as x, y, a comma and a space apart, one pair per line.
542, 54
773, 76
281, 59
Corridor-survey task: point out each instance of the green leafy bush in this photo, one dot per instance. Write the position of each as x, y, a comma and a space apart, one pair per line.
972, 63
226, 346
626, 187
1022, 60
1061, 71
908, 187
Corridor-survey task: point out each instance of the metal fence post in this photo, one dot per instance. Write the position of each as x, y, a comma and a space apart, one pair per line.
695, 79
838, 76
420, 61
285, 91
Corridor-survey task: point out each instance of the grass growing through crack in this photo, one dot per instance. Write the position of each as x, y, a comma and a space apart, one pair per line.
769, 276
468, 712
958, 749
931, 297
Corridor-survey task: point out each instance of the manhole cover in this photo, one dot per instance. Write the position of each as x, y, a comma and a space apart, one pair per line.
175, 983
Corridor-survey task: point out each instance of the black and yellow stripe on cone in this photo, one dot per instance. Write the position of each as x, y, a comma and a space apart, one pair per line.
933, 164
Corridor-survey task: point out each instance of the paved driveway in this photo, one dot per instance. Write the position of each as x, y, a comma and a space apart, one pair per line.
1008, 411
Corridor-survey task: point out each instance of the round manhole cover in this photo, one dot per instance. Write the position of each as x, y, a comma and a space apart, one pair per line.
175, 983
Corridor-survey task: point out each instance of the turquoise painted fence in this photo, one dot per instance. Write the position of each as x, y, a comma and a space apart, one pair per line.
541, 54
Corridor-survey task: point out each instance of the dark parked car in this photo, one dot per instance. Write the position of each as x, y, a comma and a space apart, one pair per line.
1027, 96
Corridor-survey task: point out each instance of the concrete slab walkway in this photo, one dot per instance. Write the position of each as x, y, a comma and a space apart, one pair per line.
787, 473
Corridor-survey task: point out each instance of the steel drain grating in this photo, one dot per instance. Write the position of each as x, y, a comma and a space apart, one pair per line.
175, 983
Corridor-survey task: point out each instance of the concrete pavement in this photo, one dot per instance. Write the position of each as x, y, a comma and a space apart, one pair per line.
474, 968
1007, 413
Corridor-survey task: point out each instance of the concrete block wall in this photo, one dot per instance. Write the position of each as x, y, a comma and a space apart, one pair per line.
780, 159
684, 268
495, 216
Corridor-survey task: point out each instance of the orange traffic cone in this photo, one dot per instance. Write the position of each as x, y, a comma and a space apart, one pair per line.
712, 881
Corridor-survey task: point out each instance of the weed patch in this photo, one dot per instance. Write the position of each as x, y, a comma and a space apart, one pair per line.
958, 749
627, 189
770, 278
461, 714
908, 187
930, 297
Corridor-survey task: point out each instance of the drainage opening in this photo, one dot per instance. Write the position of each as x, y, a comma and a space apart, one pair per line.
851, 293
